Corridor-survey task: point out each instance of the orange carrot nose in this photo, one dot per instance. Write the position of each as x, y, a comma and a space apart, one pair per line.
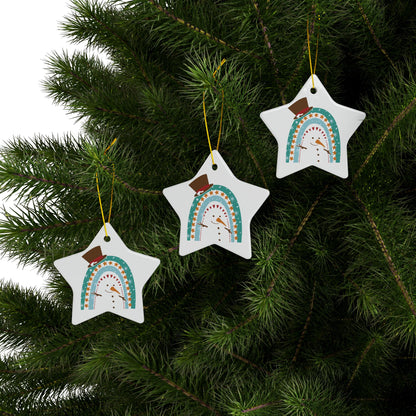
319, 142
114, 289
221, 221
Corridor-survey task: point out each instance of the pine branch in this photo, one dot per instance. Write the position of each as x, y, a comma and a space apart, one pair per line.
373, 34
287, 252
198, 30
40, 169
267, 41
386, 254
251, 364
363, 355
260, 406
72, 342
244, 360
305, 328
188, 358
296, 235
176, 305
59, 225
94, 13
256, 163
128, 186
224, 297
181, 389
64, 185
126, 115
393, 124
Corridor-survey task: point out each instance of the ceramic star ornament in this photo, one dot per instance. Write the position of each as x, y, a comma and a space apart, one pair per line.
312, 130
214, 207
107, 277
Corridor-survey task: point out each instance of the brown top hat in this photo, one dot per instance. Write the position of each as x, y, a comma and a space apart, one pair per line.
94, 256
300, 107
200, 184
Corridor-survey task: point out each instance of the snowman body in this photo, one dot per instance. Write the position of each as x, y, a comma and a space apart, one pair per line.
313, 139
215, 225
109, 293
108, 285
215, 217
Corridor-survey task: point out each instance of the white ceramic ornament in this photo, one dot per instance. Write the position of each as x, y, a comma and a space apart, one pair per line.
107, 277
312, 130
215, 207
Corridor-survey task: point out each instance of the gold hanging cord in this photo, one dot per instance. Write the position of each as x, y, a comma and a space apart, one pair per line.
222, 112
112, 191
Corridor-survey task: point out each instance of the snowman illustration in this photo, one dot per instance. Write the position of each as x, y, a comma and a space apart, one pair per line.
316, 144
213, 220
108, 293
215, 213
314, 135
108, 283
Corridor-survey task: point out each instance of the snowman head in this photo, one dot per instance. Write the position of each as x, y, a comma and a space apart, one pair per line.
216, 214
110, 283
313, 141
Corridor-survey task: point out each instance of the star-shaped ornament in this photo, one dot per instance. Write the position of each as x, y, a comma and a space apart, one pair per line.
312, 130
107, 277
214, 207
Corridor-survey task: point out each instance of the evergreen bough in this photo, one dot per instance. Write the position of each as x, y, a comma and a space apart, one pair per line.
322, 319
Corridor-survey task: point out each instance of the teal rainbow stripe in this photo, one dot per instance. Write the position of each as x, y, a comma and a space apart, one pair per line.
95, 273
318, 119
197, 211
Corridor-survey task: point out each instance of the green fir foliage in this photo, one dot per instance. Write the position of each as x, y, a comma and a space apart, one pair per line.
321, 321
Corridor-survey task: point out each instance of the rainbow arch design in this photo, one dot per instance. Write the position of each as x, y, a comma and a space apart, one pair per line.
226, 201
315, 119
116, 267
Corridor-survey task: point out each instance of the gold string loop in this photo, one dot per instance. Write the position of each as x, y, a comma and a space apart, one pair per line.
222, 112
313, 70
112, 191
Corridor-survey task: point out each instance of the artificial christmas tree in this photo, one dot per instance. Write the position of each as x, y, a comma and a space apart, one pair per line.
322, 319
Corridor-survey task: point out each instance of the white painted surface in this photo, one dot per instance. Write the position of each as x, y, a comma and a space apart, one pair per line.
105, 273
315, 146
220, 220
